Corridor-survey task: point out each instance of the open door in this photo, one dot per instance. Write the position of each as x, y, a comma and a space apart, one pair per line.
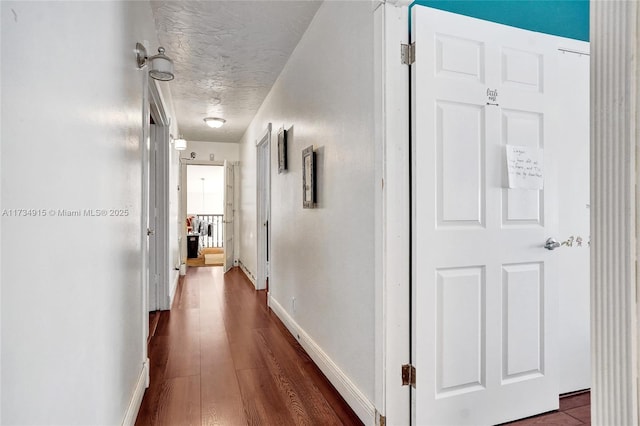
228, 216
484, 288
263, 204
156, 204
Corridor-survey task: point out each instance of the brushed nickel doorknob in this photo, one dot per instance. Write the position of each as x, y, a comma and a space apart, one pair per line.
551, 244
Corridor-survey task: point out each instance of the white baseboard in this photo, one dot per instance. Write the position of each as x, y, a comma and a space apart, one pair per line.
138, 393
359, 403
247, 273
173, 287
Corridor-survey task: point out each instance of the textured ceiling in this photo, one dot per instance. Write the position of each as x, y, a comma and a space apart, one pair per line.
227, 55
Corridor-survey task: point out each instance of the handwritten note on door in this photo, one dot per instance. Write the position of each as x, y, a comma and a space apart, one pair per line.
524, 167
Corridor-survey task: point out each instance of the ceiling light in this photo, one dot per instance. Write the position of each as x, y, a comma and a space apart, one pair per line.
160, 66
214, 122
180, 144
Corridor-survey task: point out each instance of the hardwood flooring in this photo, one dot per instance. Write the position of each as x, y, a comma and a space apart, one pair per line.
221, 357
574, 410
218, 258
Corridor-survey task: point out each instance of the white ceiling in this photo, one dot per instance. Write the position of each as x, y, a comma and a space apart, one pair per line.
227, 55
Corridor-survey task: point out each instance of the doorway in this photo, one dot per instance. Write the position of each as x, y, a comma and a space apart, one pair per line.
205, 215
263, 185
208, 213
156, 203
485, 323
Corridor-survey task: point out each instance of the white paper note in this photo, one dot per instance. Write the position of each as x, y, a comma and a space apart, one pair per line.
524, 167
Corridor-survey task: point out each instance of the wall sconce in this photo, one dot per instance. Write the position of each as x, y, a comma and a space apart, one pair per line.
214, 122
160, 66
180, 144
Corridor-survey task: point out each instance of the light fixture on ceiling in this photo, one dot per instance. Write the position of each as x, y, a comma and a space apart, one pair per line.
180, 144
214, 122
160, 66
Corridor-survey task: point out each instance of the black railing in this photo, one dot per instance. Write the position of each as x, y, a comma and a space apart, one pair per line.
211, 229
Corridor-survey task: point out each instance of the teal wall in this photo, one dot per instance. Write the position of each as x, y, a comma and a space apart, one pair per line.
565, 18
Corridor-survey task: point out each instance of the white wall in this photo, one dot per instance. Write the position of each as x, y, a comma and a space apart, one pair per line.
221, 151
207, 198
72, 317
323, 257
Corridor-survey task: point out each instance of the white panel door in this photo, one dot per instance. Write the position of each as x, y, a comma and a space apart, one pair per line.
263, 208
228, 215
573, 195
484, 288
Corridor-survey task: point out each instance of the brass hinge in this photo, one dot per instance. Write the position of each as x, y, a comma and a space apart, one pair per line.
408, 375
382, 420
408, 53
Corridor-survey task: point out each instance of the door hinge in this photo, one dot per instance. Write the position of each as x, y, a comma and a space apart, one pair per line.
382, 420
408, 53
408, 375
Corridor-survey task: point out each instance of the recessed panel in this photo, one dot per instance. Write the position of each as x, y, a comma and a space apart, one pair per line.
522, 206
459, 58
522, 69
522, 321
460, 330
460, 164
523, 128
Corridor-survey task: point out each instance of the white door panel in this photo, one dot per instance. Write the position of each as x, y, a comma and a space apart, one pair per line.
574, 315
484, 288
263, 208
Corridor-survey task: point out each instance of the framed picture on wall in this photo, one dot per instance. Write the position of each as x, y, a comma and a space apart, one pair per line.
308, 178
282, 150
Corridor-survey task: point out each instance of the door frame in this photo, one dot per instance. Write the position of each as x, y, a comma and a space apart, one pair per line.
159, 170
229, 166
392, 213
182, 211
607, 312
152, 101
263, 207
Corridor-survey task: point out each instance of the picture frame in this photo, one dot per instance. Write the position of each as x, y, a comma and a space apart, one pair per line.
308, 178
282, 150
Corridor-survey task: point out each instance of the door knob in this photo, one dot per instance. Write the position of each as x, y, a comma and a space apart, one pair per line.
150, 231
551, 244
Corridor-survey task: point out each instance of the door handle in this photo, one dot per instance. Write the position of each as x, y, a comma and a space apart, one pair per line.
150, 231
551, 244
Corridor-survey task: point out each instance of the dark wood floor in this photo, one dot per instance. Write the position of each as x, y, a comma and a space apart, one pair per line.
221, 357
574, 410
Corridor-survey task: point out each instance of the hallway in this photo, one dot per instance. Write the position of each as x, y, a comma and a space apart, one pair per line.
220, 356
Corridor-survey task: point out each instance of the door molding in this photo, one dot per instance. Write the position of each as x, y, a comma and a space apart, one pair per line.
152, 103
392, 213
158, 111
229, 216
615, 78
263, 207
190, 162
